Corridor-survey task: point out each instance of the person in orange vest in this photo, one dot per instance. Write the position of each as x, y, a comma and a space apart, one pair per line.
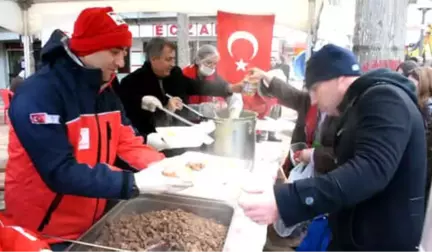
71, 147
204, 67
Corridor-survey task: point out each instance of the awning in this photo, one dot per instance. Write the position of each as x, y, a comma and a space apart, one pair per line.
11, 16
291, 13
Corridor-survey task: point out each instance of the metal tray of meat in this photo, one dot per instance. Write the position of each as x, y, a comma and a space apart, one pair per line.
219, 211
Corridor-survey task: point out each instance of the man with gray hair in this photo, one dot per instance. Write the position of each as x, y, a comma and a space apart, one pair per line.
158, 77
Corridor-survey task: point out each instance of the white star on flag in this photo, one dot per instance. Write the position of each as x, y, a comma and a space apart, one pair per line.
241, 65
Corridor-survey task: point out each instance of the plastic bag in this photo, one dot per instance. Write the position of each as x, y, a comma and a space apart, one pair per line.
299, 172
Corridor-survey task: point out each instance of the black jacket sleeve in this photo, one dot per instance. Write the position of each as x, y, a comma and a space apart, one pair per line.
142, 120
218, 87
287, 95
382, 135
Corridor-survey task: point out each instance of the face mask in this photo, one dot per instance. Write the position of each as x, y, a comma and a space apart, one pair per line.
206, 71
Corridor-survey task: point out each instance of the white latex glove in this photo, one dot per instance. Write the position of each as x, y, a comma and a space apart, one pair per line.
156, 141
235, 105
151, 182
150, 103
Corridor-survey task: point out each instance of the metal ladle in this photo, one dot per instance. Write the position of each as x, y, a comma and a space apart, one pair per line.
161, 246
84, 243
194, 111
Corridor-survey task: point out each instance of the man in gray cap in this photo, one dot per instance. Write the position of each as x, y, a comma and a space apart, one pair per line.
375, 198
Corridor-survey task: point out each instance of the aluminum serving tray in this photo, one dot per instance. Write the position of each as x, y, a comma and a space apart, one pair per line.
213, 209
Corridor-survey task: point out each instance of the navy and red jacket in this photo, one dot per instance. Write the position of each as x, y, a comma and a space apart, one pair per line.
68, 130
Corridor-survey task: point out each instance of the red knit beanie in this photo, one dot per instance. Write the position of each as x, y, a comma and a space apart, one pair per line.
98, 29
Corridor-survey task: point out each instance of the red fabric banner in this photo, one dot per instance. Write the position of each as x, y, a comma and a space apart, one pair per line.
244, 41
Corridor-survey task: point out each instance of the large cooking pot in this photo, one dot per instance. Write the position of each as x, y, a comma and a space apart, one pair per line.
234, 137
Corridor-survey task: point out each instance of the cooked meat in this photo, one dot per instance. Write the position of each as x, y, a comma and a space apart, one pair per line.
181, 230
196, 166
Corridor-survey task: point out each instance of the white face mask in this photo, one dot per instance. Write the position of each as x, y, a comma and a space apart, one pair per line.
206, 71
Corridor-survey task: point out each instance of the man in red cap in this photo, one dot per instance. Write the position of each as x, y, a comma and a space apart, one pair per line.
71, 147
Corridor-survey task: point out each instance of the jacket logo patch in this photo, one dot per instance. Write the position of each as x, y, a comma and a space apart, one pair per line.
44, 118
84, 142
116, 18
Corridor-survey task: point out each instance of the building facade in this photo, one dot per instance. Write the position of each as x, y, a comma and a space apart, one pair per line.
145, 26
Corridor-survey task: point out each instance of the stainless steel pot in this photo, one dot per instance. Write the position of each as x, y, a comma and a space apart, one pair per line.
235, 137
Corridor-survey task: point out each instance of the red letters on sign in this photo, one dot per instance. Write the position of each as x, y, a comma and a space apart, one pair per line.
190, 29
173, 29
158, 30
204, 30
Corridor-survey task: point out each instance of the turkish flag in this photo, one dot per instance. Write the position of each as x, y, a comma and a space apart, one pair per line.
245, 41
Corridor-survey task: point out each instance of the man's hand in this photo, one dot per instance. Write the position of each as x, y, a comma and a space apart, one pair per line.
147, 182
155, 140
150, 103
257, 198
237, 88
260, 205
304, 156
174, 104
255, 75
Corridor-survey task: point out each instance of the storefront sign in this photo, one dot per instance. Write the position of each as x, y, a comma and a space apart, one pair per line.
170, 30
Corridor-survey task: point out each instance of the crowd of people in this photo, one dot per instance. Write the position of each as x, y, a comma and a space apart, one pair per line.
78, 139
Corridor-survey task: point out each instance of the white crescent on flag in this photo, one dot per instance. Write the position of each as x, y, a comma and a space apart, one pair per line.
243, 35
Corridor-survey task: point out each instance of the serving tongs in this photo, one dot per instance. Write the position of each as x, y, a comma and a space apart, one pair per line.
151, 103
160, 246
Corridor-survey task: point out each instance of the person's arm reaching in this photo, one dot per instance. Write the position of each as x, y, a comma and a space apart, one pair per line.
380, 141
287, 95
51, 153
